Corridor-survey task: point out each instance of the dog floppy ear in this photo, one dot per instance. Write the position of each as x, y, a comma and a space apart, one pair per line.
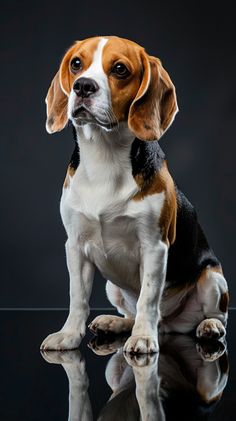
56, 102
155, 106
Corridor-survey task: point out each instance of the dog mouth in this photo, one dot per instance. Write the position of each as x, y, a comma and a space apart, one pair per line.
83, 115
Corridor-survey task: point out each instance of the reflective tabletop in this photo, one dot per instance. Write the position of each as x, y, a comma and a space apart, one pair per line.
187, 380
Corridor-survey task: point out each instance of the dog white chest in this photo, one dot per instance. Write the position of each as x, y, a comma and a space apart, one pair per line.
100, 216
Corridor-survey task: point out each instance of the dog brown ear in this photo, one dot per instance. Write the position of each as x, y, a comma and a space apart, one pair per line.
155, 105
56, 102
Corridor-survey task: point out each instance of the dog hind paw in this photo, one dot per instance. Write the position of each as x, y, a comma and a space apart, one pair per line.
110, 324
210, 329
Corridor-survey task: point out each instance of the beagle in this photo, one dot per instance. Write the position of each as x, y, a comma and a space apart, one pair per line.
120, 207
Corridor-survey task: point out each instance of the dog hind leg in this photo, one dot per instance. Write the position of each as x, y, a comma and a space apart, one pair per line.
110, 323
213, 296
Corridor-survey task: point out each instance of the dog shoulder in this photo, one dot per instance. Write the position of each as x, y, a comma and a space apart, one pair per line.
150, 171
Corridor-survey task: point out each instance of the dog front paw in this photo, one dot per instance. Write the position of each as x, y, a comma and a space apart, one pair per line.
62, 340
141, 345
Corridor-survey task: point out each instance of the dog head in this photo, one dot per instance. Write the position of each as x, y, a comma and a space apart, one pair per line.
109, 80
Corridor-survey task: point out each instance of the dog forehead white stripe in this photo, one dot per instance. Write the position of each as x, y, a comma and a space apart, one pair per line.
102, 98
96, 66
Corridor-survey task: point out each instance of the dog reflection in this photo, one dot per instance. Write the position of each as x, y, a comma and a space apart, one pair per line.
74, 366
184, 381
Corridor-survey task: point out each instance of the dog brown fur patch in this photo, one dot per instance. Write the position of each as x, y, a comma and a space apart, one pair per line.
70, 173
217, 269
56, 106
84, 50
123, 91
155, 104
224, 299
169, 210
161, 181
208, 400
204, 272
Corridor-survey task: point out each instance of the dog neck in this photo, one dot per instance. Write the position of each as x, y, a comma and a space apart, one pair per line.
104, 155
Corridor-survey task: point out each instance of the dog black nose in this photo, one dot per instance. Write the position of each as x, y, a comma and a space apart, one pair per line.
85, 87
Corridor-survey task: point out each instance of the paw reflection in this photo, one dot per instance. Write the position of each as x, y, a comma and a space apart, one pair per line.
141, 360
105, 344
183, 381
211, 350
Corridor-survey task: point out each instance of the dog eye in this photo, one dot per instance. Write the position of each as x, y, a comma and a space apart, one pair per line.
120, 70
75, 64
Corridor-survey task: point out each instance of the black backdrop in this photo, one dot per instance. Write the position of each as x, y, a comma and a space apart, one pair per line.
197, 47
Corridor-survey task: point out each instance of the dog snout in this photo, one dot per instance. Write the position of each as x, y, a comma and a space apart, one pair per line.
84, 87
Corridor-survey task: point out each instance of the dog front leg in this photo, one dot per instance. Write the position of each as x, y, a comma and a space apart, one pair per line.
147, 380
81, 273
144, 338
74, 366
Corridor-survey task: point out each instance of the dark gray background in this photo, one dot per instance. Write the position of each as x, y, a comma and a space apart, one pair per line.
196, 46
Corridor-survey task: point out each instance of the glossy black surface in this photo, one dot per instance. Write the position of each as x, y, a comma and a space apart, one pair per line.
34, 389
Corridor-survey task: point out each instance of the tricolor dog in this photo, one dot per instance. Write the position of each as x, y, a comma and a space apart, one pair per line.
120, 206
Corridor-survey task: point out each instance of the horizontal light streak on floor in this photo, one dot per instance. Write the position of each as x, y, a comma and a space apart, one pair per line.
60, 308
50, 308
